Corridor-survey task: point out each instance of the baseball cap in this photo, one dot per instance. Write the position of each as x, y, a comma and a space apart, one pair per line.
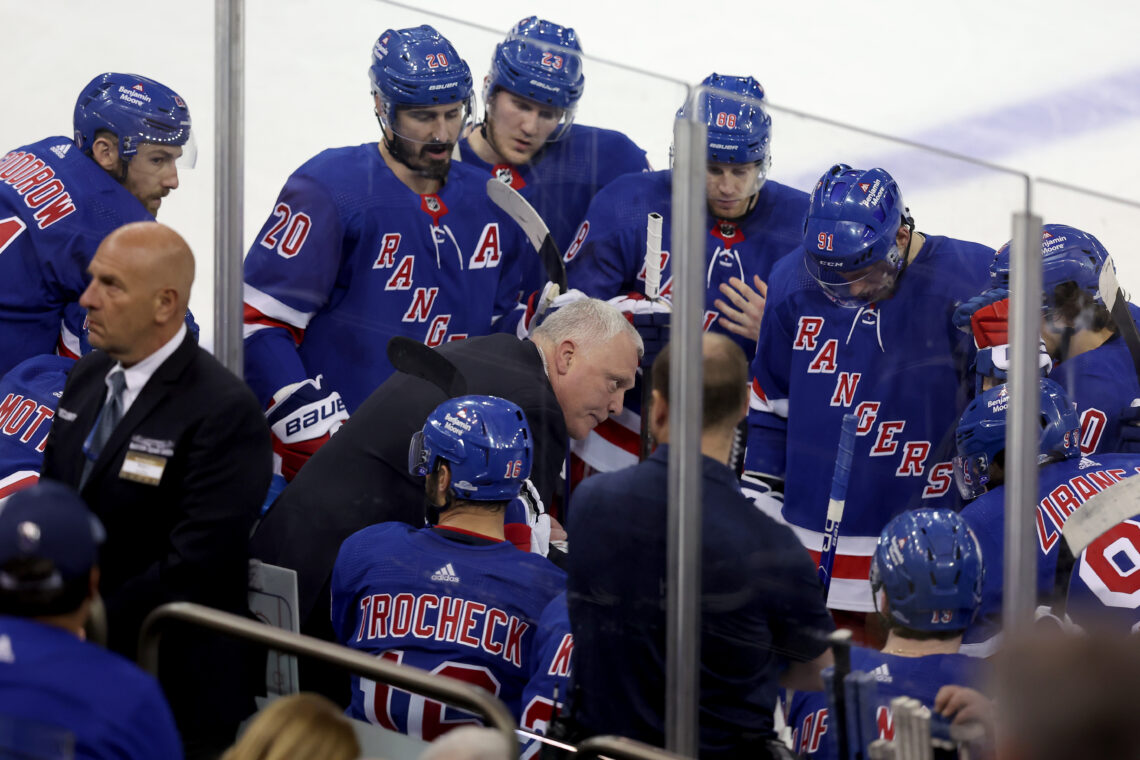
48, 521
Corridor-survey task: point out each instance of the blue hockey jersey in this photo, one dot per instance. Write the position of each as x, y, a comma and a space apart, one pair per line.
607, 258
1103, 585
1102, 383
463, 610
809, 717
565, 175
546, 690
56, 206
350, 256
1061, 488
899, 364
29, 394
52, 685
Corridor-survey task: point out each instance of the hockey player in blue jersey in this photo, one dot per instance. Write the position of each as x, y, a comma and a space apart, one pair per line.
367, 242
927, 578
29, 394
528, 138
456, 599
752, 222
1091, 359
858, 320
59, 198
1066, 480
545, 692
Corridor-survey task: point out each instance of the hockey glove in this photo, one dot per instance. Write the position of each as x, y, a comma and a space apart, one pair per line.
651, 318
302, 417
527, 525
965, 310
541, 303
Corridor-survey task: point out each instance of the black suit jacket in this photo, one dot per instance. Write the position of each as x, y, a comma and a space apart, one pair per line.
360, 477
184, 538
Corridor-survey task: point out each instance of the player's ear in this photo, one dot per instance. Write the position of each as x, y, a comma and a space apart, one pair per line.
902, 237
443, 483
105, 151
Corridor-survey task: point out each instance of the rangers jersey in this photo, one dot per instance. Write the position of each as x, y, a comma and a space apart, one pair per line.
607, 259
465, 610
73, 332
564, 176
1102, 586
351, 256
56, 206
1102, 383
809, 716
545, 692
1061, 488
29, 394
899, 364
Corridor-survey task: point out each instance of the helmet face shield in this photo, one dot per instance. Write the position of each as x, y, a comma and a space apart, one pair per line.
860, 287
971, 474
417, 455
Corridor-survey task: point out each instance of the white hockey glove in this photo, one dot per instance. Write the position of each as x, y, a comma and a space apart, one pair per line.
536, 518
302, 417
541, 303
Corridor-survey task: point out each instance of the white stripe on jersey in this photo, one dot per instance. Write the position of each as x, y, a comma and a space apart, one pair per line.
274, 309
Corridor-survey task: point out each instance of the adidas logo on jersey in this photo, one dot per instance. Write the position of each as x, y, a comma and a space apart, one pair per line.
882, 674
61, 149
446, 574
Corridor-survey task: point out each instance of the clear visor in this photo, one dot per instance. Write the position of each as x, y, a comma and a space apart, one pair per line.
430, 125
518, 116
971, 475
189, 157
860, 287
417, 455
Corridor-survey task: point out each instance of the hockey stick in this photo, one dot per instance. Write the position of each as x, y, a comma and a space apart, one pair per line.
414, 358
1117, 304
652, 293
508, 199
837, 501
1101, 512
840, 641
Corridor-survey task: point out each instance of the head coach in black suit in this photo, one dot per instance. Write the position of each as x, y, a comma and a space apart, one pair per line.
172, 452
570, 376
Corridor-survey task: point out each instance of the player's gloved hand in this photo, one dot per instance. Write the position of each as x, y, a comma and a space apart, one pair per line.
966, 309
993, 362
761, 483
527, 525
990, 324
651, 318
541, 303
302, 417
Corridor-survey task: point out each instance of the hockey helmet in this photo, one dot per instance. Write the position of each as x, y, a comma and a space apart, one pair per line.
928, 565
540, 61
418, 67
980, 435
850, 232
136, 110
487, 442
739, 129
1067, 255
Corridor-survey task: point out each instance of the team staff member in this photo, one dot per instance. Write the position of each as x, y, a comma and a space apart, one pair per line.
172, 452
59, 198
763, 620
49, 578
571, 375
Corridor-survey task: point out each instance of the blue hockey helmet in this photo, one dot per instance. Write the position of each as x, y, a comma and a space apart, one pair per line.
980, 435
540, 61
928, 565
136, 110
1067, 255
417, 67
850, 232
739, 129
485, 439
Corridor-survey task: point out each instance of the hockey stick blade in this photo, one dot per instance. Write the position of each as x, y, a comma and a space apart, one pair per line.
414, 358
1117, 304
508, 199
837, 500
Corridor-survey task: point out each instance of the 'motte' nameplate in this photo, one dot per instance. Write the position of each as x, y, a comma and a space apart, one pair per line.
143, 468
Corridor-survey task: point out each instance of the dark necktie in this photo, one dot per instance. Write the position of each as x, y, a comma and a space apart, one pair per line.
109, 417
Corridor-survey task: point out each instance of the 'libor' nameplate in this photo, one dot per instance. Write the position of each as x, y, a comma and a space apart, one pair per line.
142, 468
